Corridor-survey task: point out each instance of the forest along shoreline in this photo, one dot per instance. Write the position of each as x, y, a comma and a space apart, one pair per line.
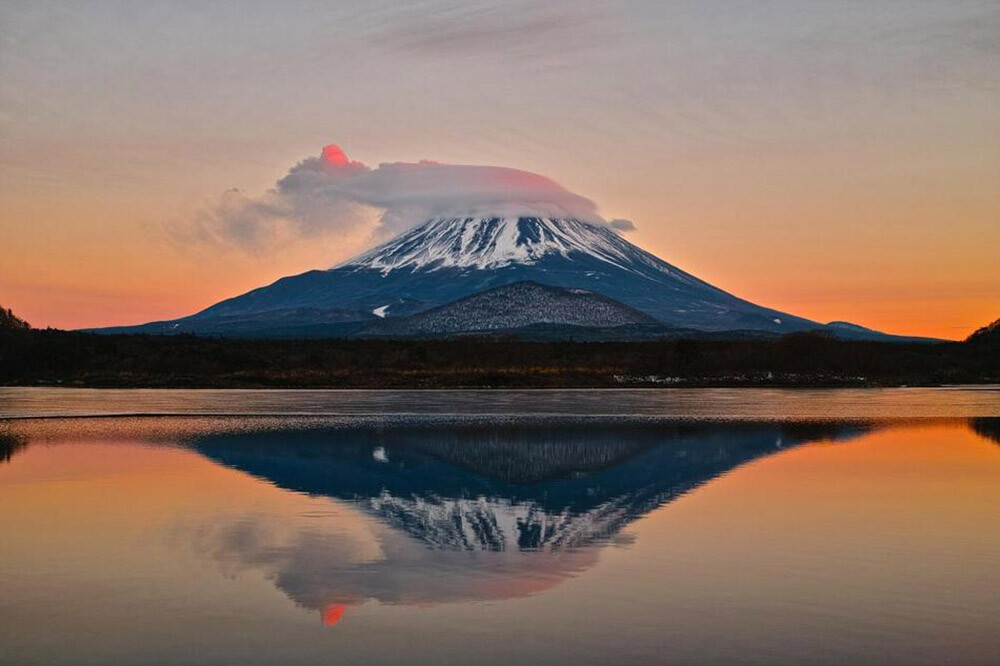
33, 357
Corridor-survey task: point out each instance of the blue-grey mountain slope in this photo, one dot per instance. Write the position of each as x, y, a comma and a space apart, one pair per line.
447, 259
514, 306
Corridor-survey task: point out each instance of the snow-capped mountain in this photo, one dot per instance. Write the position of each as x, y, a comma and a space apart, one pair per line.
446, 259
493, 243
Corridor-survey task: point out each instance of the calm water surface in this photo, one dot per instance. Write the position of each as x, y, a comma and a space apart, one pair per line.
570, 527
679, 403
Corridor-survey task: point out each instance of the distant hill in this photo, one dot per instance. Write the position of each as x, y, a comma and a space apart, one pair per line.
516, 306
848, 331
11, 322
989, 334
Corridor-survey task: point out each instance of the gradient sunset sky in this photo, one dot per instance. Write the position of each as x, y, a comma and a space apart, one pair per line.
838, 160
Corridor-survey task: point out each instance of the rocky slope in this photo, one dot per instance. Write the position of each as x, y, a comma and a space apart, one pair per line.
515, 306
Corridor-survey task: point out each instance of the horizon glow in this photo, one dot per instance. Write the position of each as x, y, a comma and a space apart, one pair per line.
831, 160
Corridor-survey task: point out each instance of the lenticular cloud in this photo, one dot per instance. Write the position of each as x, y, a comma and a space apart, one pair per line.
332, 193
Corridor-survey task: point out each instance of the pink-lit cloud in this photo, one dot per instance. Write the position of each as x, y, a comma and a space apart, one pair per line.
332, 193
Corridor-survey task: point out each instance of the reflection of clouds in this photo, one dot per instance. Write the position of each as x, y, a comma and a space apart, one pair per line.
333, 613
272, 544
321, 566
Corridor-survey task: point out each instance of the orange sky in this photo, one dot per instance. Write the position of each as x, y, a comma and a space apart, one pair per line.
837, 164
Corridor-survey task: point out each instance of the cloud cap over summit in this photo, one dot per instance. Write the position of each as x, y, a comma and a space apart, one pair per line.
331, 192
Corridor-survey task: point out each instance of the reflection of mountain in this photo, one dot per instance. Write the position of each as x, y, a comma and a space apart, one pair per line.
501, 488
470, 513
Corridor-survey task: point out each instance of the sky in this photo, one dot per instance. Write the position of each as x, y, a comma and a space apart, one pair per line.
838, 160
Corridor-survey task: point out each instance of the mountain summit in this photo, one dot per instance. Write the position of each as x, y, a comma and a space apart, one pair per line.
490, 243
449, 258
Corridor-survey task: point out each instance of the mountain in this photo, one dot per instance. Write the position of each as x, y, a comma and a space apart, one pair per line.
446, 259
848, 331
987, 335
11, 322
515, 306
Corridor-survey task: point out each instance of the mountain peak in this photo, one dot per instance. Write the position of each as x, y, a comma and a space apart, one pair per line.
496, 242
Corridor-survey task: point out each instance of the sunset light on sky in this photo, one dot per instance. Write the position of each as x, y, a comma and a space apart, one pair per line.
835, 163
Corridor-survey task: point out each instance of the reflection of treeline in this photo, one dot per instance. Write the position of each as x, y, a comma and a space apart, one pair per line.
527, 455
987, 427
59, 357
10, 444
523, 455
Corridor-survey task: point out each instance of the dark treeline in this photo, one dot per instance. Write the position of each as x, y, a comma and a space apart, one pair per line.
50, 357
10, 321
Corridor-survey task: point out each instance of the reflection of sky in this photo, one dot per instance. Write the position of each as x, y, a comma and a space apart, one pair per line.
875, 542
848, 144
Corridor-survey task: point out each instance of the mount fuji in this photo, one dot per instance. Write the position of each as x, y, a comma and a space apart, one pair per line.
449, 258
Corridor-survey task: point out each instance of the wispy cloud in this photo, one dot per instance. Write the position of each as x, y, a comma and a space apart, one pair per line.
490, 30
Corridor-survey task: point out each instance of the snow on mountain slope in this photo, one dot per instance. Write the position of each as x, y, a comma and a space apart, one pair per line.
490, 243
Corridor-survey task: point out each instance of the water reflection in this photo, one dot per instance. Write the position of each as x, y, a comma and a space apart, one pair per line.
468, 509
506, 488
11, 444
244, 534
986, 427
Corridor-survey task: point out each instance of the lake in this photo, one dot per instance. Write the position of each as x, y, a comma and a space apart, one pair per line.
687, 526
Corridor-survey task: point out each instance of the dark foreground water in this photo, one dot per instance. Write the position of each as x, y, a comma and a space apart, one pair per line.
577, 527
